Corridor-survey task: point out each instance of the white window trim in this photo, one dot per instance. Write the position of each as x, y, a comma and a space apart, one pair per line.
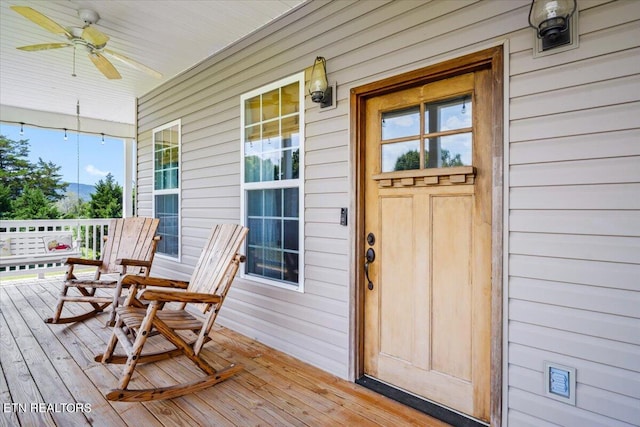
244, 187
177, 191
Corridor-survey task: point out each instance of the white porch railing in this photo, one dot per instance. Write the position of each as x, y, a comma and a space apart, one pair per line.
87, 235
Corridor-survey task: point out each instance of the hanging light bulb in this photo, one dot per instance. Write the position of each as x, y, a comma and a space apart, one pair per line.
65, 134
21, 128
102, 134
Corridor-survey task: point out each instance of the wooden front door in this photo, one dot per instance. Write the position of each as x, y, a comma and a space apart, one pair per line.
427, 232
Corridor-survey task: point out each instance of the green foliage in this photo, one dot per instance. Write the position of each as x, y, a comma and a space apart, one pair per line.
106, 202
448, 161
14, 166
36, 191
408, 161
32, 204
47, 177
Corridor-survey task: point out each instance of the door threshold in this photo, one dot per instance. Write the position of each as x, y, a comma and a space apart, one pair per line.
442, 413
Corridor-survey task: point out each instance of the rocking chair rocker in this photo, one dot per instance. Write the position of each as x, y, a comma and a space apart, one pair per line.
129, 249
207, 288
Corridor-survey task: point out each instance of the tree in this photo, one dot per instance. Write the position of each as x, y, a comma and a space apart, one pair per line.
17, 175
408, 161
47, 177
448, 161
73, 207
14, 166
33, 204
106, 202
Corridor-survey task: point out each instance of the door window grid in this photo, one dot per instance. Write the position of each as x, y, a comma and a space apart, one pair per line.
429, 135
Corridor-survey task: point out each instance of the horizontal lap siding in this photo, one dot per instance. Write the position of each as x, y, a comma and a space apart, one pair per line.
361, 41
574, 176
574, 222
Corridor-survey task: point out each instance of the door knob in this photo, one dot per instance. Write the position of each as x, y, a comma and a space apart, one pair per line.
370, 256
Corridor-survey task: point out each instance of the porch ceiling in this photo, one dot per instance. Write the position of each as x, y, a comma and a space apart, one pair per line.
169, 36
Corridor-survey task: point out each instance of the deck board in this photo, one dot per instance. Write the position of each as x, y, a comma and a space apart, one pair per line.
54, 364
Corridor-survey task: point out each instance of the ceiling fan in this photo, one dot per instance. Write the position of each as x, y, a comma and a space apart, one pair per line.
87, 37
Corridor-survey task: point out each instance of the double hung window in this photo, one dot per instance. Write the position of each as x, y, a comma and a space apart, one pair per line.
272, 182
166, 187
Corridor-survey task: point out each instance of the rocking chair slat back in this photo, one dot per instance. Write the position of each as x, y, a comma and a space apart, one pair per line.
131, 238
215, 261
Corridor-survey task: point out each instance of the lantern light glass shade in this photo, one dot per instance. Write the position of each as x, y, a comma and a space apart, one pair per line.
550, 19
318, 82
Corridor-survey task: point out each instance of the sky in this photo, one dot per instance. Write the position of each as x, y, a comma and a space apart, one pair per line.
95, 161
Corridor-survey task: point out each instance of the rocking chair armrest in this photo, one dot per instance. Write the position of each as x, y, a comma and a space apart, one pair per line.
83, 261
177, 296
133, 262
132, 279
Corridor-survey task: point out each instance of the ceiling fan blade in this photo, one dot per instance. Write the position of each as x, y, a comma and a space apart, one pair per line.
44, 46
45, 22
104, 66
133, 63
94, 36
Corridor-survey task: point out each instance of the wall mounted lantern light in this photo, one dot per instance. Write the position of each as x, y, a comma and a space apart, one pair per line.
552, 21
319, 89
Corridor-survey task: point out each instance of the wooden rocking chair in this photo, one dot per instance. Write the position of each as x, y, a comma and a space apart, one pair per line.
129, 249
207, 288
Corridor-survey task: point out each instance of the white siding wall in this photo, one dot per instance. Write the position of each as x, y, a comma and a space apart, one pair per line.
574, 234
573, 198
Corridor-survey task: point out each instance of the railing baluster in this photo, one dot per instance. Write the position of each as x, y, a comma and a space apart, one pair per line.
86, 232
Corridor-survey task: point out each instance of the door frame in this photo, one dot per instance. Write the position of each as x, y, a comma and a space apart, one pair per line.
492, 59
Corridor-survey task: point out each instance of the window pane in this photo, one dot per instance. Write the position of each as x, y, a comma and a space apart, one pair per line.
166, 207
401, 123
271, 104
254, 262
456, 115
291, 132
254, 202
252, 168
401, 156
290, 164
166, 159
291, 235
271, 166
291, 202
252, 110
290, 99
290, 266
273, 241
450, 114
273, 203
252, 140
271, 135
255, 237
272, 264
449, 151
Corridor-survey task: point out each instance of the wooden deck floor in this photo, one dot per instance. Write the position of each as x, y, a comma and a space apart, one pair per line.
48, 377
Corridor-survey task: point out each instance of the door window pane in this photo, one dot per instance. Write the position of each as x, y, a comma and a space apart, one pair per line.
401, 123
399, 156
447, 115
449, 151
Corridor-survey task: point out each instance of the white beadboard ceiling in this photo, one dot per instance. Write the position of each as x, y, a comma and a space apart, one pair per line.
168, 36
